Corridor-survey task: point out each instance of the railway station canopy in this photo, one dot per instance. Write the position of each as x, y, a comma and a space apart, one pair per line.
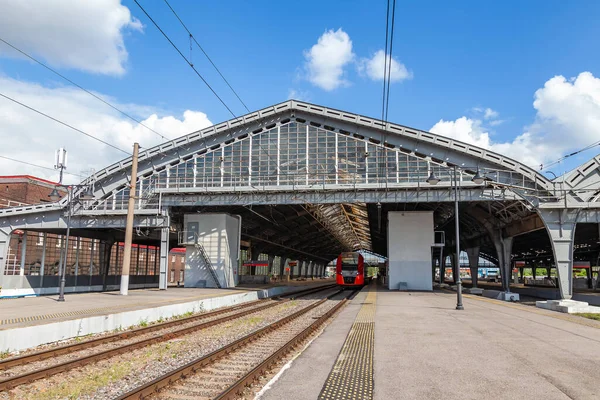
310, 182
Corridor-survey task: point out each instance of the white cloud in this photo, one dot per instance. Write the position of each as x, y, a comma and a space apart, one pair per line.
300, 95
490, 114
85, 35
374, 68
567, 118
28, 136
325, 61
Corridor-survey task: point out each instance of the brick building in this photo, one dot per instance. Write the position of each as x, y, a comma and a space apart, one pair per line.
38, 254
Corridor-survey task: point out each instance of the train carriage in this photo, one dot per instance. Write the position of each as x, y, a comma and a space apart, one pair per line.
350, 269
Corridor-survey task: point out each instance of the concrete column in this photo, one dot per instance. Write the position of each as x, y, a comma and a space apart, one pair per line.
453, 265
271, 266
164, 258
4, 245
503, 250
561, 225
23, 253
589, 272
105, 252
473, 254
533, 270
282, 265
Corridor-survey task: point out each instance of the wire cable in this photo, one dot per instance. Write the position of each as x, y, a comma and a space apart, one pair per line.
63, 123
387, 21
37, 166
389, 76
544, 166
204, 52
82, 88
185, 58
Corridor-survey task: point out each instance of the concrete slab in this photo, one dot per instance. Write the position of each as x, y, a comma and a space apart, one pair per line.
568, 306
425, 349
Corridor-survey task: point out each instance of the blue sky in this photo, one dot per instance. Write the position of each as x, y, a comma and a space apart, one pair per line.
461, 58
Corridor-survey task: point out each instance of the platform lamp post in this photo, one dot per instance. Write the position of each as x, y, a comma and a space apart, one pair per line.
55, 196
433, 180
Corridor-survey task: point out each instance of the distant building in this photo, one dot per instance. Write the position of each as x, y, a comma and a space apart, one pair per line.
44, 250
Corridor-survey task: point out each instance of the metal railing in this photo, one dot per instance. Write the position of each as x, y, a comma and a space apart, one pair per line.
187, 238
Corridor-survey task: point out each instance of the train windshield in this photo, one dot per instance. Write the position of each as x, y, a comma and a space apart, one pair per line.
349, 261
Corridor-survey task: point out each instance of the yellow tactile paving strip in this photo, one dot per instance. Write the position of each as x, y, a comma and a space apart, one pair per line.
552, 314
352, 374
109, 309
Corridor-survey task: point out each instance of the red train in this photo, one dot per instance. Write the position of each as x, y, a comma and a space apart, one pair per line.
350, 269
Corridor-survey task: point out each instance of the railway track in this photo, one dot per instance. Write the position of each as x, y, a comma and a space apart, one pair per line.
171, 330
226, 372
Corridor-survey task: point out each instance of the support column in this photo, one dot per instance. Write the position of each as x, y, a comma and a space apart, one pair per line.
271, 259
590, 276
473, 254
442, 268
105, 252
453, 265
4, 245
534, 270
23, 253
164, 258
561, 225
506, 245
503, 247
282, 265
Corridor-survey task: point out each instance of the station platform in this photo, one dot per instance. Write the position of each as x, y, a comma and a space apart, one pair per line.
422, 348
547, 293
32, 321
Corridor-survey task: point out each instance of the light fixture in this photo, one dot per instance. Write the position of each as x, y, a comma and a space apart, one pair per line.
432, 180
477, 179
54, 195
87, 194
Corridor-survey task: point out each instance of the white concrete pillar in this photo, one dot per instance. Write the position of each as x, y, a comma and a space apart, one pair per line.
282, 263
561, 225
164, 258
23, 253
473, 254
271, 266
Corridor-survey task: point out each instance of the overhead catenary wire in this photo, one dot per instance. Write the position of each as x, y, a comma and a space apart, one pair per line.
63, 123
185, 58
544, 166
389, 74
197, 72
192, 37
84, 89
37, 166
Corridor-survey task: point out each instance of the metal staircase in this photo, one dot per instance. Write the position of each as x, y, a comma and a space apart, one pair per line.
191, 238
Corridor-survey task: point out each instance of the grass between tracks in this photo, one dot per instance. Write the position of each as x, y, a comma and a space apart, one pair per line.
76, 388
589, 315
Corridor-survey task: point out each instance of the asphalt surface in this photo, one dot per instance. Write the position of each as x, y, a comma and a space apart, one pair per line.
425, 349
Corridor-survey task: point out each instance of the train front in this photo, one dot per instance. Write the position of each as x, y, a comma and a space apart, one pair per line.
350, 269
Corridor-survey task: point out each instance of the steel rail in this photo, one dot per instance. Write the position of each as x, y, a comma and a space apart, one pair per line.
234, 391
12, 382
190, 368
71, 348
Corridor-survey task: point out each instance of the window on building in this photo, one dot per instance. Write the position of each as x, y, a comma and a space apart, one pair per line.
40, 241
172, 259
172, 276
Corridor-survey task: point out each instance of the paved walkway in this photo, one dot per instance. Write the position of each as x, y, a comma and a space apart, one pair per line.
425, 349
